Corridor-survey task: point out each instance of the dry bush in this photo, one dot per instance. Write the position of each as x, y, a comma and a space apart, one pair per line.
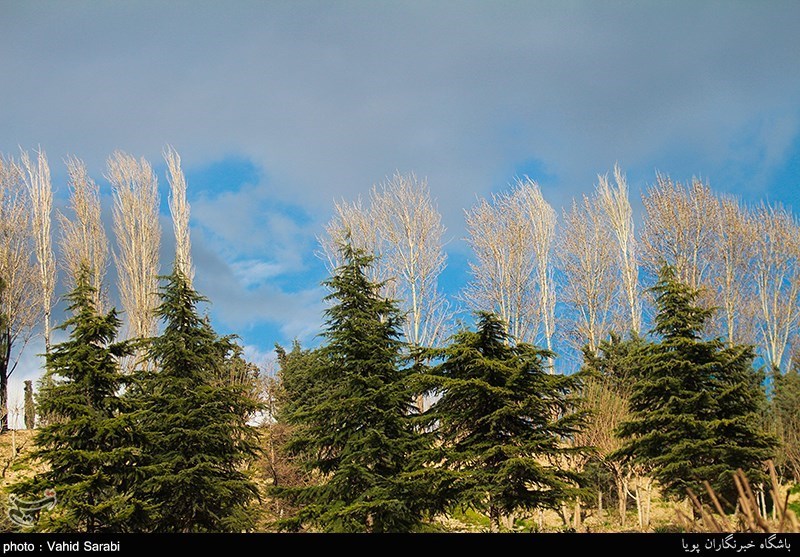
750, 516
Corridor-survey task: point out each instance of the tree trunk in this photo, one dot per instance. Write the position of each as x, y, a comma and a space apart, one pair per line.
576, 517
639, 504
643, 502
494, 519
420, 403
5, 356
622, 496
47, 332
599, 502
564, 514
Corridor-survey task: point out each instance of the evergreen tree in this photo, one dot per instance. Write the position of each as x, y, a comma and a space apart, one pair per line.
785, 410
353, 425
90, 450
695, 406
501, 421
300, 387
195, 424
616, 360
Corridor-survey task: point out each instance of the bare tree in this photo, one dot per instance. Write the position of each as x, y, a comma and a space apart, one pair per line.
138, 235
401, 228
83, 239
40, 189
587, 259
679, 228
505, 263
411, 231
355, 222
179, 208
541, 219
607, 404
777, 277
614, 201
18, 275
732, 275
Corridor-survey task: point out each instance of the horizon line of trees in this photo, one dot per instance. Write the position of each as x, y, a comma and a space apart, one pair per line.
502, 435
533, 283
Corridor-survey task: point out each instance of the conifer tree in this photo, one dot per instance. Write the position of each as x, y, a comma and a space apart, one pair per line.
785, 407
197, 436
695, 405
89, 451
500, 418
353, 427
300, 387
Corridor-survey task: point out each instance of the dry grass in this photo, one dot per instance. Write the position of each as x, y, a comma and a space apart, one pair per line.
748, 517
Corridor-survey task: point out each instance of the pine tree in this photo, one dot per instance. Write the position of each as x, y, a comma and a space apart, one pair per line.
300, 387
90, 450
500, 420
195, 424
785, 410
695, 406
353, 427
616, 360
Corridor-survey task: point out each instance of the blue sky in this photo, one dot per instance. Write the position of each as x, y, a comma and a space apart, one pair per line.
280, 108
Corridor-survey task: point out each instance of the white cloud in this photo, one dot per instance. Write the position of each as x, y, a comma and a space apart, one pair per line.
252, 272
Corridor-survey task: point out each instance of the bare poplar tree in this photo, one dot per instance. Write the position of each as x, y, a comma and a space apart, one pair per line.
679, 230
542, 221
355, 222
505, 263
18, 275
614, 201
179, 208
777, 277
40, 189
587, 259
83, 238
732, 276
410, 229
138, 235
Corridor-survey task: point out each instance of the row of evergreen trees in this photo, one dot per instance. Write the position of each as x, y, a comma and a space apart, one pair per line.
500, 433
165, 448
158, 450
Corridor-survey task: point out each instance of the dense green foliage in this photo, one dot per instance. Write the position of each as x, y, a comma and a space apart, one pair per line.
91, 450
617, 360
351, 405
194, 423
501, 421
695, 403
786, 415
